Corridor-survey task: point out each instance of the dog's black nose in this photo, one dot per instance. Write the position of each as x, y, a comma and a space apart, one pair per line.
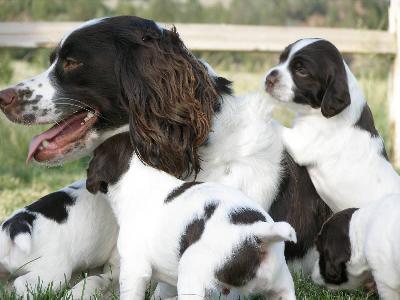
271, 79
7, 97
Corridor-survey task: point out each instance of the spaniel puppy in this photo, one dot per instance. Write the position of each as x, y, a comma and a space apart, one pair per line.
64, 232
197, 236
357, 243
334, 135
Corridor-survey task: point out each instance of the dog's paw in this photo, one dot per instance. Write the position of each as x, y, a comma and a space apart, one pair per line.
23, 285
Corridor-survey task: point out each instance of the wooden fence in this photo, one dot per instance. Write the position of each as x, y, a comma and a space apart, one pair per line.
250, 39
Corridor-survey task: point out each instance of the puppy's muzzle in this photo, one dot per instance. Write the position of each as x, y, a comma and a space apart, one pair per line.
271, 80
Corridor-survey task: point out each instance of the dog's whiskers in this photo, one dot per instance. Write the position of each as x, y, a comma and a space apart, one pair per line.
76, 100
84, 106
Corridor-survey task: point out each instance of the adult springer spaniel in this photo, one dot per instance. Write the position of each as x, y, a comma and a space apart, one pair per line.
125, 70
334, 134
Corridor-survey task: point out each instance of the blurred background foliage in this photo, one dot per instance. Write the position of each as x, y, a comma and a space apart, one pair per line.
370, 14
332, 13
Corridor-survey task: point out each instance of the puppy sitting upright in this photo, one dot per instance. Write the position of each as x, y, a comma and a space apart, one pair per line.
196, 236
334, 134
354, 243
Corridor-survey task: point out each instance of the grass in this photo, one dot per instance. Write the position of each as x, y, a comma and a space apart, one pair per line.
20, 184
305, 290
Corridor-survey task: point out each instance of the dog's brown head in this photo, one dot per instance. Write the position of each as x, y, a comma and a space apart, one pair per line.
111, 72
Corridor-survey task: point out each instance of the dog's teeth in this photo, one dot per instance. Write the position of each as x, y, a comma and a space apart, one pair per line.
45, 143
88, 116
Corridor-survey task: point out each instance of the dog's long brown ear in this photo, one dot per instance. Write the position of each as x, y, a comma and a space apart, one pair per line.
171, 99
334, 247
337, 96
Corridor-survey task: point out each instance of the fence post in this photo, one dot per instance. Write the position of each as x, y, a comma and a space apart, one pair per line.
394, 84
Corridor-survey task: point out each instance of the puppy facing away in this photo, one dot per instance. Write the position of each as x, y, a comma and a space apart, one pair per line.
357, 243
48, 240
193, 235
334, 134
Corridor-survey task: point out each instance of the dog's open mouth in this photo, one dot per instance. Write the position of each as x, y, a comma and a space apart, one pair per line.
62, 137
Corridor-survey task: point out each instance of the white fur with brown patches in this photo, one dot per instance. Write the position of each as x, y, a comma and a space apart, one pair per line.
345, 162
153, 253
52, 252
375, 249
41, 91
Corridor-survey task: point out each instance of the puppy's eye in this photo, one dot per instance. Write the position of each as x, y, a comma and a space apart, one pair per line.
300, 70
71, 64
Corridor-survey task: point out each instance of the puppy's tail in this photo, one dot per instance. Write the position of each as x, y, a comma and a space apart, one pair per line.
274, 232
15, 233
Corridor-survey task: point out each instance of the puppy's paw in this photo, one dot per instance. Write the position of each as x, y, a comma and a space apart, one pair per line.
24, 286
88, 287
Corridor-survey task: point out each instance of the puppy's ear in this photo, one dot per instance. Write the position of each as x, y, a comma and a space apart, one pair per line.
170, 98
334, 247
335, 272
94, 186
94, 180
337, 96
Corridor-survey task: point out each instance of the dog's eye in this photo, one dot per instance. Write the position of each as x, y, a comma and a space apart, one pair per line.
300, 70
70, 64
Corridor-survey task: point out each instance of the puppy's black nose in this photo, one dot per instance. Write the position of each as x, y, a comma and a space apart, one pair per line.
7, 97
271, 79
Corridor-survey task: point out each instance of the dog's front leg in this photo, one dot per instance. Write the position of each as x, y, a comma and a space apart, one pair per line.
386, 292
284, 289
28, 284
164, 291
101, 283
135, 275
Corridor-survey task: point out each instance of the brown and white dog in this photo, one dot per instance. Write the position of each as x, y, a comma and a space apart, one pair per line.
334, 134
197, 236
356, 244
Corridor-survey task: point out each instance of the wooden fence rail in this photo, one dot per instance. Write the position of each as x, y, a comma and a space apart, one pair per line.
242, 38
217, 37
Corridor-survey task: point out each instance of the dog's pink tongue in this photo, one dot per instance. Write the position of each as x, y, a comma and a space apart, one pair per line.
37, 140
